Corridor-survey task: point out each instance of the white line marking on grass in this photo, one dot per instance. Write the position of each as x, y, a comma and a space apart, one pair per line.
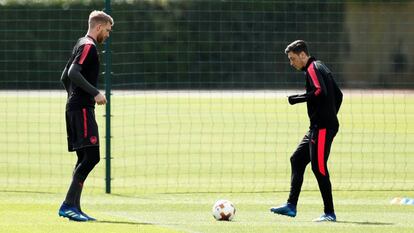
206, 93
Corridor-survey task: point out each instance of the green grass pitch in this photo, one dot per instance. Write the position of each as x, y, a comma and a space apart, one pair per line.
175, 154
359, 211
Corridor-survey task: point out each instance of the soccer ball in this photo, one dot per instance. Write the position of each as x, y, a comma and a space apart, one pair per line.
223, 210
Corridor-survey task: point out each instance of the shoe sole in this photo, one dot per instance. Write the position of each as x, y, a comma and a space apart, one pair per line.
63, 215
284, 214
317, 220
89, 218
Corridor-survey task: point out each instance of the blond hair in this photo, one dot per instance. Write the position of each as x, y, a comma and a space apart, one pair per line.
99, 17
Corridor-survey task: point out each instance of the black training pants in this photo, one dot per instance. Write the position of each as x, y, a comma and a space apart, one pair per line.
314, 148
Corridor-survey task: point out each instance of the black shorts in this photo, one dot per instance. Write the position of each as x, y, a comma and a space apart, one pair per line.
82, 129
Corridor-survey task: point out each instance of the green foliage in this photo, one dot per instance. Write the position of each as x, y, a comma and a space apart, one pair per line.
215, 44
168, 44
47, 2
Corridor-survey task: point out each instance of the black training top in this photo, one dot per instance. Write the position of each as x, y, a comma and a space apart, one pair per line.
86, 56
324, 97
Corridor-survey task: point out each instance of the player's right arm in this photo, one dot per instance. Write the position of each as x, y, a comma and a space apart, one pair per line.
338, 96
65, 80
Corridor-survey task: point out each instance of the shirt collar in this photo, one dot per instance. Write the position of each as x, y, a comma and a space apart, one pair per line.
310, 60
94, 41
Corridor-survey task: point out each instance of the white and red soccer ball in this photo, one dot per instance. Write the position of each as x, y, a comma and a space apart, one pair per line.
223, 210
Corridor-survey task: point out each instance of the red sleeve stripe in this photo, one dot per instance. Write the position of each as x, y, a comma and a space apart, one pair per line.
84, 53
312, 73
85, 123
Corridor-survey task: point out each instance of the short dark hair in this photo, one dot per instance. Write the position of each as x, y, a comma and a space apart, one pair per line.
297, 47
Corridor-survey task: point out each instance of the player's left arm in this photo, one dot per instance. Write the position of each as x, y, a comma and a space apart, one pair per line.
295, 99
77, 78
85, 55
317, 72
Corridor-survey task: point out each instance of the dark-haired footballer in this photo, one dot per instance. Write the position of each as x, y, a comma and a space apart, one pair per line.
323, 99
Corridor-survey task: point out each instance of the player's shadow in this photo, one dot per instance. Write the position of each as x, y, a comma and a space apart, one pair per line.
366, 223
22, 191
124, 222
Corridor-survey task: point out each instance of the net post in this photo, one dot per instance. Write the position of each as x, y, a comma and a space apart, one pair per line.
108, 75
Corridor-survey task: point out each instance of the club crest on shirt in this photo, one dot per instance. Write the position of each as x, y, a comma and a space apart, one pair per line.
93, 139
